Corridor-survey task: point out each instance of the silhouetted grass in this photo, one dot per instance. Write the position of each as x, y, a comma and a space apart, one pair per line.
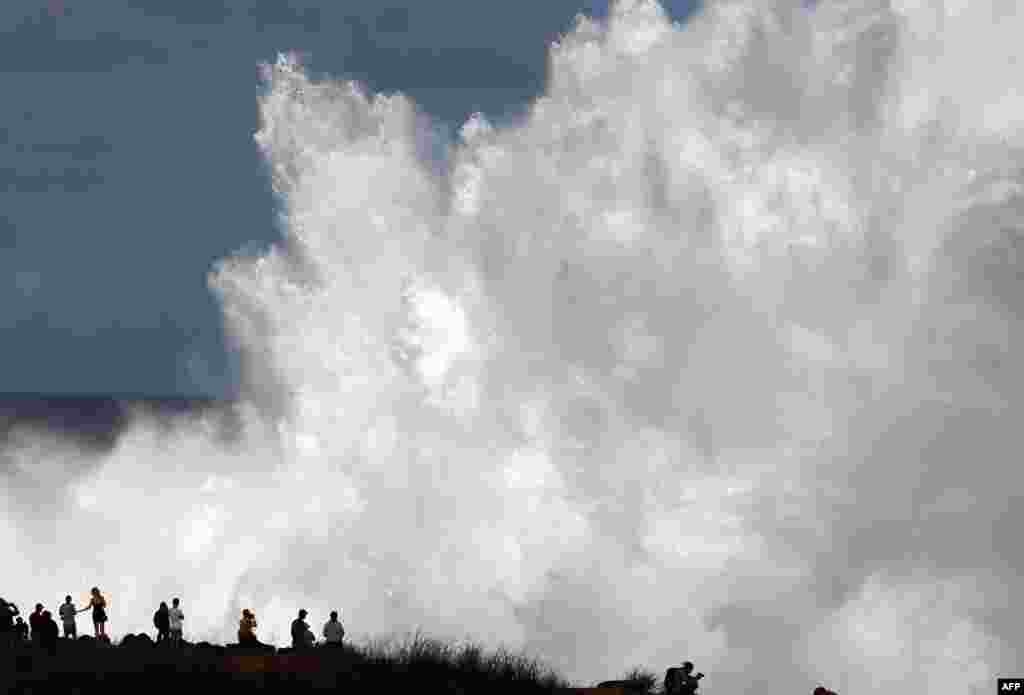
645, 680
467, 663
417, 664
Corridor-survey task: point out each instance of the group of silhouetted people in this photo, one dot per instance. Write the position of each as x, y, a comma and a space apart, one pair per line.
42, 630
302, 635
681, 680
168, 623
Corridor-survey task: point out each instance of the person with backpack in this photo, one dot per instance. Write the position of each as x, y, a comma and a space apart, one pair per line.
301, 631
67, 618
162, 623
176, 618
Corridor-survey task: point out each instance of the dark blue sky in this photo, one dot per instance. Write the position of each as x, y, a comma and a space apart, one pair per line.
128, 167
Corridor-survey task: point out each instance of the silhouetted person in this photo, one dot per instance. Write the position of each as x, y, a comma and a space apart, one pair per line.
247, 629
8, 635
49, 633
682, 681
98, 604
162, 622
247, 633
67, 618
820, 690
301, 632
333, 631
176, 617
20, 631
35, 623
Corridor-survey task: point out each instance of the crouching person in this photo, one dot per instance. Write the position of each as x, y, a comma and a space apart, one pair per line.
682, 681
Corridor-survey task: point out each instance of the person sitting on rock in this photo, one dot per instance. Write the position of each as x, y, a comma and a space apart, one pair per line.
247, 629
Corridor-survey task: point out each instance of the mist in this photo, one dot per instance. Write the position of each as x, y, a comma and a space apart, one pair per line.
707, 357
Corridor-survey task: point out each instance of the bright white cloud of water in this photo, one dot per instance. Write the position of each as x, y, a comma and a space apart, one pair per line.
708, 358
